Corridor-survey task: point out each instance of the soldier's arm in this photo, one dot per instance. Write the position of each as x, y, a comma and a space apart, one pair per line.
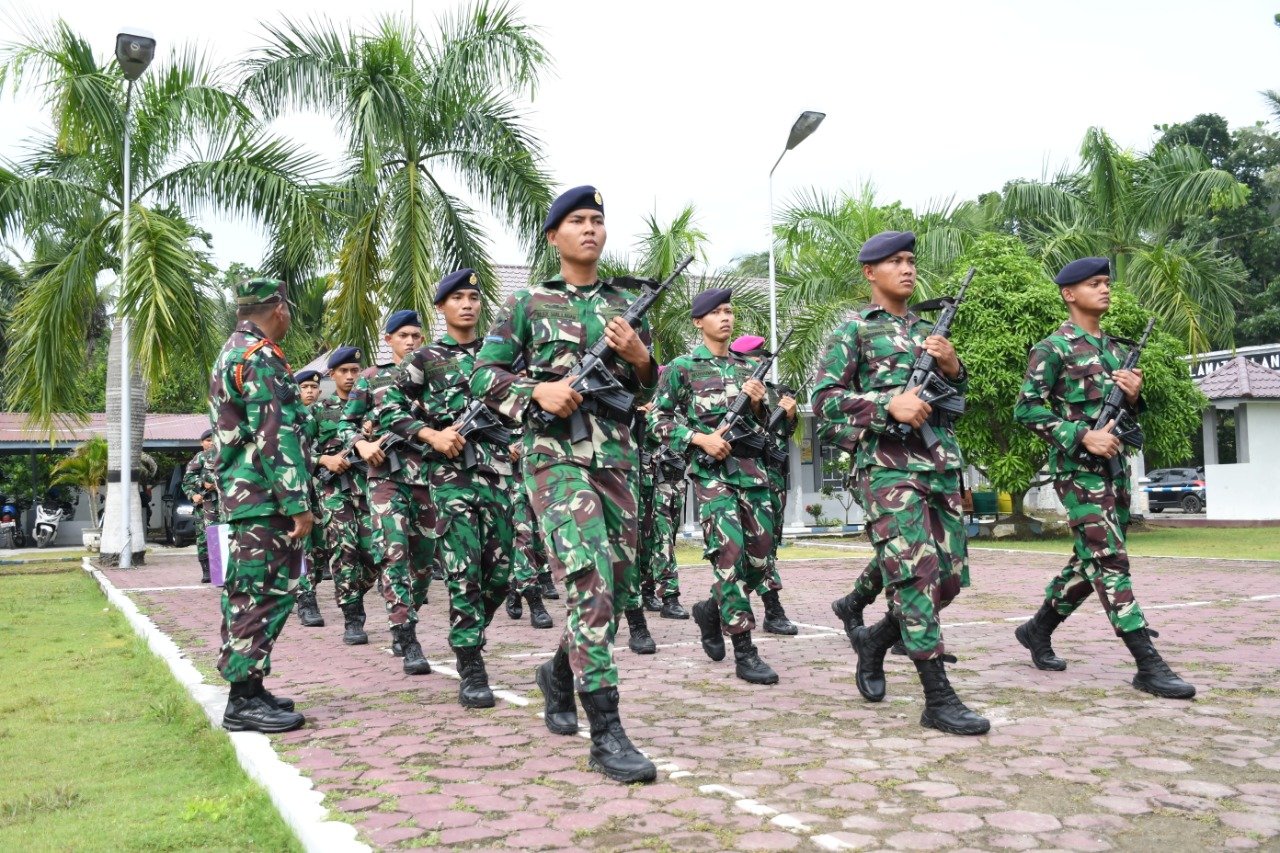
669, 402
644, 391
272, 412
493, 381
1033, 409
192, 477
844, 413
397, 411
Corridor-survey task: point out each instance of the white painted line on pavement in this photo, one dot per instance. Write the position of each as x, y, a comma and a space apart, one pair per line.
818, 627
830, 842
165, 588
794, 824
758, 809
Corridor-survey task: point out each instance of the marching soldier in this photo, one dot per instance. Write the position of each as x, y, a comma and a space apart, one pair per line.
1069, 374
911, 493
198, 485
583, 493
628, 596
473, 511
316, 565
732, 494
403, 516
528, 558
262, 478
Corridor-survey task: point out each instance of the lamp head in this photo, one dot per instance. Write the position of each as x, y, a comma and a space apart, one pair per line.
135, 48
804, 126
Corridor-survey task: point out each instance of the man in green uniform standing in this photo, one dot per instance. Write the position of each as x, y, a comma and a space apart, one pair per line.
1069, 374
317, 554
199, 486
910, 491
732, 493
583, 493
468, 477
262, 477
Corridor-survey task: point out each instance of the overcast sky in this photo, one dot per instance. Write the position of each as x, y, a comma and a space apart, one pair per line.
661, 103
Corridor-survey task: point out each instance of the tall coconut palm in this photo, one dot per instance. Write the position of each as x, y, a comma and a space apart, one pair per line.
195, 145
1132, 207
432, 134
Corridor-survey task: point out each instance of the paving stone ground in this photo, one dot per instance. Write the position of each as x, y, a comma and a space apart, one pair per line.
1075, 761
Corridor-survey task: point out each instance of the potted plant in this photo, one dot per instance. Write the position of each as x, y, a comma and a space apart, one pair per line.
86, 468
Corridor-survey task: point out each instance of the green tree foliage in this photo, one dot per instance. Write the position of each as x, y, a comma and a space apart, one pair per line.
85, 468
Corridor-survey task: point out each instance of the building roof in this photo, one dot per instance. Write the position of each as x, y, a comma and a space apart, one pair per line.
1241, 379
162, 432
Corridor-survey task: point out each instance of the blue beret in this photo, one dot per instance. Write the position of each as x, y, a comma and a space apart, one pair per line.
399, 319
708, 300
344, 355
886, 244
306, 376
206, 434
578, 198
1077, 271
463, 278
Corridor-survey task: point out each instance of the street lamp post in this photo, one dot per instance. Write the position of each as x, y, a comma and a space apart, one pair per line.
805, 125
135, 48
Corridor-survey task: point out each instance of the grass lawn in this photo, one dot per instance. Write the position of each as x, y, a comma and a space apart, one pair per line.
101, 749
1241, 543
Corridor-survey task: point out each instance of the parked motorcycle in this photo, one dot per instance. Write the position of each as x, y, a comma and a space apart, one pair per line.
11, 535
50, 512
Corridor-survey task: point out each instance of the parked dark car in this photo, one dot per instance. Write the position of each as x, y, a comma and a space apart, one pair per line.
1174, 488
179, 514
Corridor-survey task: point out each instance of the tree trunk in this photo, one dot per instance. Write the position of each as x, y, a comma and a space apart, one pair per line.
112, 529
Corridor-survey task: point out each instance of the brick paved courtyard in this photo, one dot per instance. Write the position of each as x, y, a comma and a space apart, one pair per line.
1076, 760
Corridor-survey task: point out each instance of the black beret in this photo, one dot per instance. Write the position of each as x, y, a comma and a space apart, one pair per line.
1079, 270
206, 434
708, 300
344, 355
578, 198
400, 319
306, 376
886, 244
463, 278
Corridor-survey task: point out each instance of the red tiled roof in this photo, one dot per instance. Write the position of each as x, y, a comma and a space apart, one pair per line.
159, 429
1241, 378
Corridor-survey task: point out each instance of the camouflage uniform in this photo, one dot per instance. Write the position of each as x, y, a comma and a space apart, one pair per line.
198, 473
1068, 376
344, 510
668, 512
528, 558
911, 494
583, 494
473, 510
262, 477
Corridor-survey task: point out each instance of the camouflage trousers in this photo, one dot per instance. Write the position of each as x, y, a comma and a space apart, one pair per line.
263, 568
348, 544
473, 544
870, 583
528, 559
403, 519
916, 524
200, 519
1098, 512
658, 544
772, 581
737, 529
587, 518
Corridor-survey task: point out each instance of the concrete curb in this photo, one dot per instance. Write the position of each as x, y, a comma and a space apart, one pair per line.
298, 802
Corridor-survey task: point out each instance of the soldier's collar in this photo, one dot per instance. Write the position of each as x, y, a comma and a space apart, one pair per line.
702, 353
1071, 331
251, 328
557, 282
875, 308
447, 340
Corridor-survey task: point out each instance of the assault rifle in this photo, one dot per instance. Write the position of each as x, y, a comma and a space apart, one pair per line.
352, 456
477, 423
777, 424
746, 438
602, 393
934, 389
1127, 428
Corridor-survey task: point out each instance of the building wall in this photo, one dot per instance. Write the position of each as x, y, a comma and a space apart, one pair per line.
1243, 491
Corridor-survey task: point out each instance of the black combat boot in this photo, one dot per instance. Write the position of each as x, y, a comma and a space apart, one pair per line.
204, 569
473, 690
548, 583
538, 615
706, 614
943, 710
671, 608
555, 680
248, 711
437, 572
309, 611
1035, 636
641, 641
414, 661
749, 666
515, 604
650, 599
353, 618
282, 702
611, 750
1154, 675
775, 618
849, 611
871, 644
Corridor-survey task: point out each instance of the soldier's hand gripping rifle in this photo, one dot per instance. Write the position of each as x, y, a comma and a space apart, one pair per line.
934, 389
602, 393
775, 456
477, 423
1126, 428
353, 460
745, 436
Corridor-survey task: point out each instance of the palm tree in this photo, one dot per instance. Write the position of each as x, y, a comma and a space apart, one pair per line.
195, 145
431, 128
85, 468
1132, 207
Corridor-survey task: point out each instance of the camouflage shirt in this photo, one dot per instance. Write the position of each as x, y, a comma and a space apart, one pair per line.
332, 438
694, 396
261, 465
433, 389
866, 365
200, 471
549, 326
1068, 377
403, 464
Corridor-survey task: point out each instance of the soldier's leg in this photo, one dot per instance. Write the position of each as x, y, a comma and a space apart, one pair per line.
347, 565
668, 509
866, 589
391, 537
202, 543
497, 539
635, 572
755, 519
419, 507
729, 611
775, 615
458, 529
